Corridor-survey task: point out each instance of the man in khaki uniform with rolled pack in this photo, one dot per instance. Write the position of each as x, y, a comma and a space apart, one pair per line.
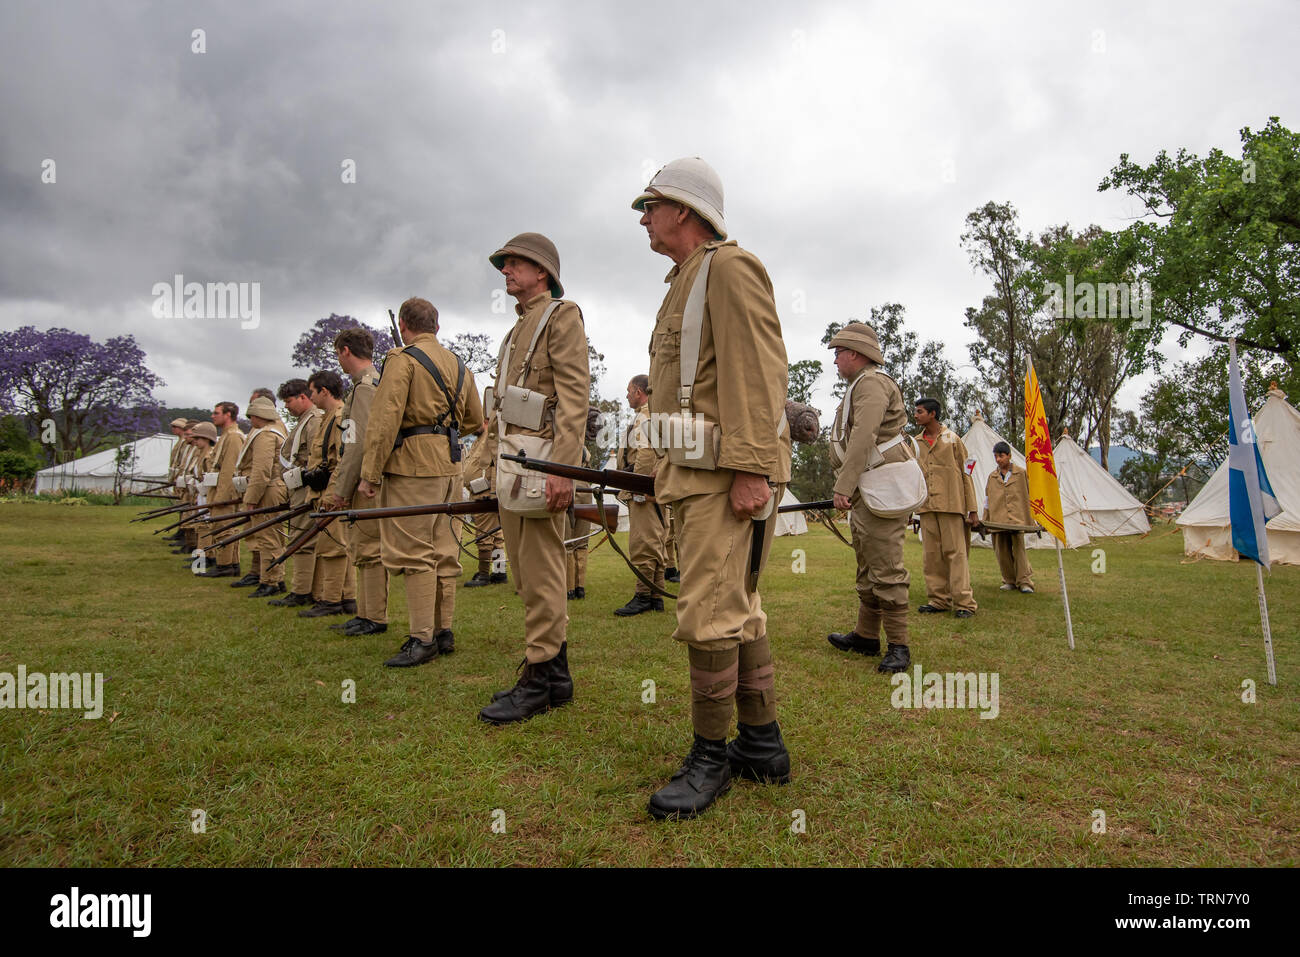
230, 443
1006, 502
258, 479
717, 399
947, 515
425, 399
332, 575
868, 432
356, 349
481, 479
201, 438
293, 455
647, 525
540, 398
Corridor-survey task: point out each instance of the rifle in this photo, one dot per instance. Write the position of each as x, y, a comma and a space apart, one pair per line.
583, 513
158, 531
292, 513
612, 478
305, 536
397, 336
158, 513
823, 506
247, 513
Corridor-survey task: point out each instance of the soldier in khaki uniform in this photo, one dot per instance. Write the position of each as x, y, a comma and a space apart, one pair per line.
230, 442
868, 431
293, 455
1006, 501
332, 573
263, 486
412, 457
946, 516
481, 479
550, 363
739, 385
183, 485
355, 349
647, 525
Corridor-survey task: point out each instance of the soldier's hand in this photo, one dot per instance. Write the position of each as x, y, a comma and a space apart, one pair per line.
332, 503
366, 489
559, 493
972, 519
749, 493
841, 502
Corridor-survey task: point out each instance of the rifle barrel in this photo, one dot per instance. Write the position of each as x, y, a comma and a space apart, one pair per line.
253, 530
632, 482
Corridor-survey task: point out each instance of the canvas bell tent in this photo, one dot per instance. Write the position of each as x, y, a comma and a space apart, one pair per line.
1092, 497
147, 461
1207, 529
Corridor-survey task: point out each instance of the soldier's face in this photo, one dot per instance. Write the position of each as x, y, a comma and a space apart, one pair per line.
522, 276
635, 397
922, 417
847, 362
298, 404
1003, 459
660, 221
219, 418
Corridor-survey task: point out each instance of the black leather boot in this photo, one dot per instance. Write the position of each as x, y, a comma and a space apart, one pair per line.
671, 575
759, 754
323, 609
580, 592
250, 579
292, 600
478, 581
356, 627
530, 696
221, 571
445, 641
498, 578
704, 777
638, 604
345, 625
657, 604
896, 659
560, 680
414, 652
852, 641
266, 590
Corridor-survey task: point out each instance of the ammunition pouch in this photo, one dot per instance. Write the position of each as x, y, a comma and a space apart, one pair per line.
316, 479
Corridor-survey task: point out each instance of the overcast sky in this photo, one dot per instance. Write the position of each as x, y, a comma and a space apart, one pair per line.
852, 141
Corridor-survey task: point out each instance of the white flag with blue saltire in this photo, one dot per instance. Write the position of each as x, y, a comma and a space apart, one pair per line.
1251, 501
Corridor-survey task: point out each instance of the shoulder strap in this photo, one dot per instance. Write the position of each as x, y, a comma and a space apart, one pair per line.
693, 330
537, 334
416, 353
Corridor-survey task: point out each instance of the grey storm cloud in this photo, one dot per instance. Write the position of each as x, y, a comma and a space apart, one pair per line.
852, 140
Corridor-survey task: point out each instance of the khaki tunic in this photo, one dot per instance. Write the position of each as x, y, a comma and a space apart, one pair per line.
740, 384
946, 478
874, 415
741, 336
265, 487
222, 460
559, 371
1008, 502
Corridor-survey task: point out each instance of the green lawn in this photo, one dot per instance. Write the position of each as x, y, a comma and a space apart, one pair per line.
221, 703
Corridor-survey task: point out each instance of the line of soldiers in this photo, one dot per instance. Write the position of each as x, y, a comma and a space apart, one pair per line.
717, 368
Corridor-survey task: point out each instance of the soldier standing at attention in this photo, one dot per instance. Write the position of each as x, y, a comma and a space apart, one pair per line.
868, 431
355, 348
261, 486
1006, 501
425, 399
230, 442
481, 479
717, 357
646, 523
946, 516
331, 578
293, 460
543, 364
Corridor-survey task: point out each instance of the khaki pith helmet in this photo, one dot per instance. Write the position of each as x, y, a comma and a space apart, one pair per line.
692, 182
180, 423
862, 339
263, 408
205, 430
536, 248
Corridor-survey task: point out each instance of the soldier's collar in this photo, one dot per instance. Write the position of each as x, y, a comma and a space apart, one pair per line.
523, 309
699, 251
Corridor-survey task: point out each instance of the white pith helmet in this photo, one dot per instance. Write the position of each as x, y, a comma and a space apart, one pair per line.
692, 182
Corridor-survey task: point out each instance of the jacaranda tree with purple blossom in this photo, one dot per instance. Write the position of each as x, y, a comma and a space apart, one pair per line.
314, 350
97, 394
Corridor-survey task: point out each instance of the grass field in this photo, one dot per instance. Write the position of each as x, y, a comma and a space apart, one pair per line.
219, 703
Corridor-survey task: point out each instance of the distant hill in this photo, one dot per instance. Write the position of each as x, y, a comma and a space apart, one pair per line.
1119, 454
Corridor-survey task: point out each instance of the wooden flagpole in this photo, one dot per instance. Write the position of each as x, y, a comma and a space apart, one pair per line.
1065, 595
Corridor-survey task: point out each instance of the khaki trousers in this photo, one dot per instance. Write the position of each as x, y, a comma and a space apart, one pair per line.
331, 569
715, 611
227, 555
1012, 559
371, 576
646, 543
537, 565
878, 544
268, 543
491, 542
304, 564
577, 565
945, 539
422, 548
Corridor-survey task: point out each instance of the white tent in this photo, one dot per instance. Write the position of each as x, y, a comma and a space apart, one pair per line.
979, 442
790, 523
1092, 497
147, 462
1207, 529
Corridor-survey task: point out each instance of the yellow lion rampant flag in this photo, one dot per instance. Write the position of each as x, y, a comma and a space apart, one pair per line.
1040, 464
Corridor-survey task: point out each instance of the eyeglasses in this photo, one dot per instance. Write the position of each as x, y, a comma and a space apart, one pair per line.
649, 205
